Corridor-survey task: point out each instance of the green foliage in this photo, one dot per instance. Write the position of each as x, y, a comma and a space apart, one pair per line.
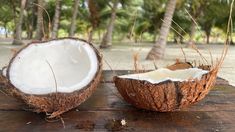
6, 14
135, 18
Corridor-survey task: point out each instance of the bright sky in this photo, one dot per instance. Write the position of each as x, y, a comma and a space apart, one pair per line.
2, 30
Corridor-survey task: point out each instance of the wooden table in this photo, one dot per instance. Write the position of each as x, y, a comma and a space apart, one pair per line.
104, 110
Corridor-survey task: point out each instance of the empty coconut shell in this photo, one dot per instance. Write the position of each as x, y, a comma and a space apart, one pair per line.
54, 76
173, 90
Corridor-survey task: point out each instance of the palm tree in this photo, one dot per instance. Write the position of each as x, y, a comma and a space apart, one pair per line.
107, 38
39, 28
5, 19
157, 52
56, 19
196, 9
74, 18
30, 21
94, 17
17, 36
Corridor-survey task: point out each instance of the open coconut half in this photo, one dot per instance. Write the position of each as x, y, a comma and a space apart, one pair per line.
55, 76
164, 89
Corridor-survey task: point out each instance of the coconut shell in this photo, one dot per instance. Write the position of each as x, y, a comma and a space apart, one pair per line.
3, 80
180, 65
55, 104
167, 95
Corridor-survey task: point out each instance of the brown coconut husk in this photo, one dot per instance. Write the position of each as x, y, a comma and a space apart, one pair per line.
180, 65
167, 95
55, 104
3, 80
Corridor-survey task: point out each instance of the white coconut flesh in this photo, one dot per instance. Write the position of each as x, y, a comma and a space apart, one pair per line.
163, 74
73, 62
4, 72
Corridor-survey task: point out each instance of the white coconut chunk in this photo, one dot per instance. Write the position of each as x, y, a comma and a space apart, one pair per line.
73, 62
164, 74
4, 71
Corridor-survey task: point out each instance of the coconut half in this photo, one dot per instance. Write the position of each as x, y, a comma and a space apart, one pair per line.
164, 89
55, 76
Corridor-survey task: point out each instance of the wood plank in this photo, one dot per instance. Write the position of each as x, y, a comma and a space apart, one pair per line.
136, 121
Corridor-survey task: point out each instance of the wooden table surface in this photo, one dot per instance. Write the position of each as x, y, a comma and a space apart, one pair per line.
105, 108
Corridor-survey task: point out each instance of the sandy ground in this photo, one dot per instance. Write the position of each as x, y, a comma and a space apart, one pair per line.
121, 57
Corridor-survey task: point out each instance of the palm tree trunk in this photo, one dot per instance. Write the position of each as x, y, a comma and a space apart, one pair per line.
231, 42
141, 37
207, 38
90, 34
181, 39
107, 38
154, 37
14, 14
39, 28
208, 34
18, 33
94, 17
74, 18
195, 16
99, 34
56, 19
31, 19
192, 33
157, 52
29, 32
6, 31
31, 29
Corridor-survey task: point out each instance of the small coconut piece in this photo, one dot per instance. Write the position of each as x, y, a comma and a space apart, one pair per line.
3, 80
164, 89
4, 71
55, 76
205, 67
180, 65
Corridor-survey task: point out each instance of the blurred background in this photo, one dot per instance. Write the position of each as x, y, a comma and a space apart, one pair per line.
131, 20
